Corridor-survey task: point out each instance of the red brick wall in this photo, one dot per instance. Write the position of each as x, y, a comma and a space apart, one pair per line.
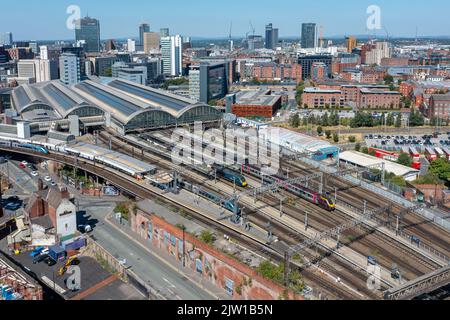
217, 267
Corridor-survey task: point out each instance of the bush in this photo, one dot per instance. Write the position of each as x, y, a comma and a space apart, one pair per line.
328, 134
207, 237
123, 209
335, 138
319, 131
358, 147
352, 139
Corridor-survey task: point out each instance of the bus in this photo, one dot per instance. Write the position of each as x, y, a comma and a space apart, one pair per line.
430, 154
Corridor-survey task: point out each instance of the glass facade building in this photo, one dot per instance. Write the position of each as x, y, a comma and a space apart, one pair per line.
88, 30
309, 31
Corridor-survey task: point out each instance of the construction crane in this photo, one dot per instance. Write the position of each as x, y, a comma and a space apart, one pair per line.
252, 29
230, 40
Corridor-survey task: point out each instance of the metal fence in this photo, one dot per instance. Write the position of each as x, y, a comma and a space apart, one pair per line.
426, 213
400, 233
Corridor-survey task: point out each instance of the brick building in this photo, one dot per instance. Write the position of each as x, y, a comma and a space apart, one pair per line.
271, 71
366, 97
256, 103
439, 106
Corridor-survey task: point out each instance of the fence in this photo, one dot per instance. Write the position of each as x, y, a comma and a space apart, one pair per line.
399, 232
426, 213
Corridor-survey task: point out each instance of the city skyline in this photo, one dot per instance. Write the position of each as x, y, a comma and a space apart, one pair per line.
397, 20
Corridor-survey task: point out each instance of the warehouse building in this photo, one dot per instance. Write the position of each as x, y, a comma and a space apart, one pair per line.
362, 160
300, 143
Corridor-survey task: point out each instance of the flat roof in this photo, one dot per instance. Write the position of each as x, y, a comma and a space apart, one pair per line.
256, 97
113, 157
364, 160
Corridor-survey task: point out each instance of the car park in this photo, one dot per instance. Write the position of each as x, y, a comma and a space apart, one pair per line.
40, 258
36, 252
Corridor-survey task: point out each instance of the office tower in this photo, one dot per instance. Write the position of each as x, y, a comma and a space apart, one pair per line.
143, 28
6, 39
131, 45
351, 43
88, 29
208, 81
271, 37
69, 69
172, 55
151, 42
164, 32
309, 35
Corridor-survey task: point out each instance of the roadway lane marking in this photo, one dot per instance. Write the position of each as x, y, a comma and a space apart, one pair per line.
160, 258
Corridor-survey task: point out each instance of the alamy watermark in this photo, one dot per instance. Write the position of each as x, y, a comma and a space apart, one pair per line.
374, 17
73, 282
73, 21
227, 147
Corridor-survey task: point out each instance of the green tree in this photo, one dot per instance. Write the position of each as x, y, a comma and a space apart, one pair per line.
441, 168
335, 138
398, 121
325, 120
328, 134
207, 237
390, 120
319, 130
388, 79
352, 139
294, 122
405, 159
358, 147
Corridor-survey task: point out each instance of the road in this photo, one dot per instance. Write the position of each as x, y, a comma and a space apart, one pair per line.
145, 264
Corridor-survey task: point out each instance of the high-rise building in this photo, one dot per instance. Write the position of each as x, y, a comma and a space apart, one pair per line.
50, 53
255, 42
6, 39
151, 42
271, 37
164, 32
172, 55
69, 69
208, 81
131, 45
143, 28
88, 29
351, 43
309, 35
79, 52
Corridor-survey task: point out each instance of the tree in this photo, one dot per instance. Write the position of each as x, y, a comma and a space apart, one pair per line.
358, 147
441, 168
405, 159
207, 237
328, 134
352, 139
335, 138
398, 121
325, 121
319, 130
294, 122
390, 120
388, 79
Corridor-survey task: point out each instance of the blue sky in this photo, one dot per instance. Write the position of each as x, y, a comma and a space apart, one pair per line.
31, 19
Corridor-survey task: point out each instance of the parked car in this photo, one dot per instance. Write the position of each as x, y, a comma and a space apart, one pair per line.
23, 164
49, 261
34, 174
48, 178
36, 252
372, 261
40, 258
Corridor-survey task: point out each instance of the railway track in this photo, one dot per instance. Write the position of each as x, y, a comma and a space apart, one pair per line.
261, 221
412, 224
